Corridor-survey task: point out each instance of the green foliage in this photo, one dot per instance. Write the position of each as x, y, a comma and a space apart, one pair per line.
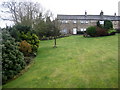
91, 31
98, 24
108, 24
46, 28
111, 32
32, 39
14, 33
21, 33
22, 28
12, 59
25, 48
97, 31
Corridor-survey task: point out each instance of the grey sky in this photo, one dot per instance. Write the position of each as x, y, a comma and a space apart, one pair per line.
76, 7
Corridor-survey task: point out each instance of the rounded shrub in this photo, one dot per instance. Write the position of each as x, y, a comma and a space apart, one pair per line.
91, 31
101, 31
25, 48
32, 39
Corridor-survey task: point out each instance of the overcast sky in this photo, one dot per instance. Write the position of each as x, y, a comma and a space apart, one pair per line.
75, 7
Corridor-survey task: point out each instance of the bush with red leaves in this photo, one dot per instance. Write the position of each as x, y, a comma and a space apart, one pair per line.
101, 31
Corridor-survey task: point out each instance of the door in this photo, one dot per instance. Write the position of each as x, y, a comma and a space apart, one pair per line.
74, 30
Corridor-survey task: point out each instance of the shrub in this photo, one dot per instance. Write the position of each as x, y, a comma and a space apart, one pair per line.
108, 24
101, 31
111, 32
22, 28
12, 59
91, 31
32, 39
25, 48
96, 31
14, 33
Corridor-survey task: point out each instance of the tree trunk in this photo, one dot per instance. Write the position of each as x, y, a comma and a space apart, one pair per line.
55, 42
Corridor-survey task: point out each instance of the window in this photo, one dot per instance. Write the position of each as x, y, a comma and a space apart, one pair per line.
82, 22
86, 22
64, 21
101, 22
64, 31
83, 29
74, 22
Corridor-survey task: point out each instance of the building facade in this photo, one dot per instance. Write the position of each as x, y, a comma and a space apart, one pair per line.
119, 13
71, 24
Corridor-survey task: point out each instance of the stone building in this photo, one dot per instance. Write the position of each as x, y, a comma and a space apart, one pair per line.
71, 24
119, 14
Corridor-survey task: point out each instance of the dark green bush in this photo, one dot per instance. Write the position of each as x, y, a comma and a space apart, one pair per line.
22, 28
91, 31
12, 59
108, 24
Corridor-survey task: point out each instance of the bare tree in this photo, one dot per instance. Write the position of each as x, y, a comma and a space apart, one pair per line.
24, 12
56, 31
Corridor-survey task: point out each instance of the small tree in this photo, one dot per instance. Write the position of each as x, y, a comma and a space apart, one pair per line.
56, 32
108, 24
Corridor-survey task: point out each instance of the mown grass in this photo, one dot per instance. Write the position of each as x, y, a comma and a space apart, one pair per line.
78, 62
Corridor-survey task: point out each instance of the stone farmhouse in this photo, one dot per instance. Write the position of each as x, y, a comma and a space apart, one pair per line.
72, 24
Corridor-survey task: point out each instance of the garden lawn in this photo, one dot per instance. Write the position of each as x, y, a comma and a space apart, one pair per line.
78, 62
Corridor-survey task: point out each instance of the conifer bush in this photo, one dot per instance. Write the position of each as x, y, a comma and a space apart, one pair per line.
12, 59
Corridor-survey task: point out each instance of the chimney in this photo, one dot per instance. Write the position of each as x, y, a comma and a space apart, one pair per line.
115, 14
85, 13
101, 13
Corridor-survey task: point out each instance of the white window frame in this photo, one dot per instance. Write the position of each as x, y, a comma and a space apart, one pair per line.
86, 22
74, 21
81, 29
84, 29
101, 22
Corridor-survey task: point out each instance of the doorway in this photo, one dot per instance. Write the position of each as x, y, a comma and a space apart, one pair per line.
74, 30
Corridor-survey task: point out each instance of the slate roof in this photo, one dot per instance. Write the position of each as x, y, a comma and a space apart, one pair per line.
88, 17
